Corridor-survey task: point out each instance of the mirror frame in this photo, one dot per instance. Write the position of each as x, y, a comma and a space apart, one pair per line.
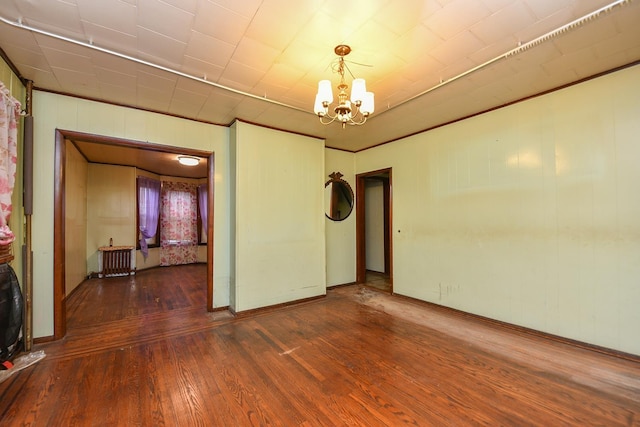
336, 178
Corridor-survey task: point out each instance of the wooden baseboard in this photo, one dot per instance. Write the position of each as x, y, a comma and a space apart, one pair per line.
341, 285
525, 330
43, 340
270, 308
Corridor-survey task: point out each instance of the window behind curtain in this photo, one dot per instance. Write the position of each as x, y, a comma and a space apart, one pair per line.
178, 223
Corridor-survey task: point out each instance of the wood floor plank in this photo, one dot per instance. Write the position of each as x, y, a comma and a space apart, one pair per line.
143, 351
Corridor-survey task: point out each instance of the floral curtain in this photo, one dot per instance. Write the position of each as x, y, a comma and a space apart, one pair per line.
148, 210
179, 223
9, 115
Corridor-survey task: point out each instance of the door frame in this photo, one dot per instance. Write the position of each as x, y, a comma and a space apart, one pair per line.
361, 252
59, 286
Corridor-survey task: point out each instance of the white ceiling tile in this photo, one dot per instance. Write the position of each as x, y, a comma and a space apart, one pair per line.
302, 55
201, 69
219, 22
370, 38
255, 54
382, 65
119, 16
250, 109
325, 32
31, 58
109, 38
458, 67
535, 56
68, 78
189, 6
460, 46
19, 38
156, 80
160, 49
209, 49
272, 91
157, 99
282, 74
119, 94
402, 16
615, 45
568, 61
10, 10
51, 15
583, 7
580, 38
246, 8
110, 62
61, 59
502, 24
455, 17
290, 16
545, 8
196, 87
301, 95
41, 78
421, 67
218, 105
163, 18
239, 76
415, 43
495, 50
114, 78
187, 102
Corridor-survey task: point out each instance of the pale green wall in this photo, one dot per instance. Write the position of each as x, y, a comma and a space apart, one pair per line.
529, 214
279, 218
340, 248
53, 111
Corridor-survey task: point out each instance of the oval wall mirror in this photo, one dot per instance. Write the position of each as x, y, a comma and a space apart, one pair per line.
338, 197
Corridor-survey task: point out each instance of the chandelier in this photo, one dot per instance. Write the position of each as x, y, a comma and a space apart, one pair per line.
347, 112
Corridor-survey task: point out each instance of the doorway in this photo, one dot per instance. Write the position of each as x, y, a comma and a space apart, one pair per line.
374, 265
59, 286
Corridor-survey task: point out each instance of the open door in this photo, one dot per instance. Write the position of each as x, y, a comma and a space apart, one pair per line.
365, 183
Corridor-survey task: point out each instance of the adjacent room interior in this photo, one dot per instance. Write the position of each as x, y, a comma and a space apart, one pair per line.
397, 211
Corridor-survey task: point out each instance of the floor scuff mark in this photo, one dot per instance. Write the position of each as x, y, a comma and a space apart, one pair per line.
284, 353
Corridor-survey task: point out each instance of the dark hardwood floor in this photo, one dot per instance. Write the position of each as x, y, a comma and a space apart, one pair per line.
144, 351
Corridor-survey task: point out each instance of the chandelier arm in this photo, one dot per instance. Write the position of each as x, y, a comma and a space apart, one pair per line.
324, 122
358, 122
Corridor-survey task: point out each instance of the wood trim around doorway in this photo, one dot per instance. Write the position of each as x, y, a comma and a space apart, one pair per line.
59, 286
361, 256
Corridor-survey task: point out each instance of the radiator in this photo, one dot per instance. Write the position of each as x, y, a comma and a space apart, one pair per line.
115, 261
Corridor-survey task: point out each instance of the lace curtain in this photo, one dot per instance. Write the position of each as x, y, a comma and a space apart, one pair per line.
202, 202
179, 224
9, 115
148, 210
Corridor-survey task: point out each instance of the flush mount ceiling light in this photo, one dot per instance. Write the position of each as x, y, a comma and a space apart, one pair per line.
188, 160
347, 112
